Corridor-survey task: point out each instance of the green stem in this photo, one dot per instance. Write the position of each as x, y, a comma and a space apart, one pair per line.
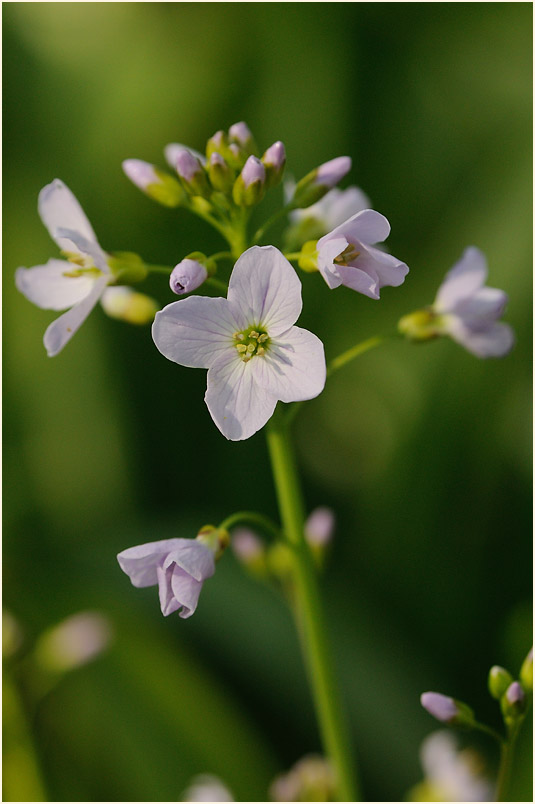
310, 616
354, 352
255, 519
221, 255
293, 255
506, 763
259, 234
21, 772
487, 730
158, 269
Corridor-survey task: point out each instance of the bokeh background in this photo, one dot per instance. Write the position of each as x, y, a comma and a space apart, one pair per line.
424, 452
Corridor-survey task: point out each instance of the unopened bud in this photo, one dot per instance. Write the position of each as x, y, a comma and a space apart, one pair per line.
419, 326
217, 539
221, 176
513, 703
249, 549
526, 672
188, 275
446, 709
319, 181
249, 186
217, 144
191, 171
155, 183
173, 149
498, 681
241, 134
319, 529
128, 305
74, 642
274, 161
236, 156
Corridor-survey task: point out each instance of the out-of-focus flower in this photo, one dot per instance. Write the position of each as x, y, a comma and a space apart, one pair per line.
526, 672
207, 787
253, 353
319, 526
178, 566
77, 284
465, 310
187, 276
450, 774
333, 209
346, 255
446, 709
154, 182
498, 681
310, 779
12, 635
240, 133
248, 547
172, 150
75, 641
129, 305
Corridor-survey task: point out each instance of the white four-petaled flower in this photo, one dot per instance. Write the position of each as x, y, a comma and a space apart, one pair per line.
346, 255
178, 566
253, 353
468, 311
77, 284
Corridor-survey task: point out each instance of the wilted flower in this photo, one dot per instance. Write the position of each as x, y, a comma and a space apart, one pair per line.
450, 774
77, 284
253, 353
75, 641
207, 787
346, 255
178, 566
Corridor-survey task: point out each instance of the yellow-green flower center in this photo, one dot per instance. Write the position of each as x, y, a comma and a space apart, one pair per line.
251, 342
348, 254
86, 266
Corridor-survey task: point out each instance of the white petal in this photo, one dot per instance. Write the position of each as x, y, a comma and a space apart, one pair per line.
186, 591
59, 208
496, 341
140, 562
63, 328
482, 308
264, 290
343, 204
293, 368
195, 331
328, 250
464, 279
367, 226
174, 148
193, 557
74, 241
168, 603
238, 406
49, 288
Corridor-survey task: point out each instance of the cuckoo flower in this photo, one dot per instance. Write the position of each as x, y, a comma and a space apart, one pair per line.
468, 311
450, 774
77, 284
334, 208
346, 255
178, 566
253, 353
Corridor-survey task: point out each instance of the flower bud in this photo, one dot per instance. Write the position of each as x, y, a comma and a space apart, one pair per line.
188, 275
74, 642
446, 709
154, 182
498, 681
128, 305
249, 186
274, 161
221, 176
191, 171
236, 156
250, 550
513, 703
241, 134
526, 672
218, 144
173, 149
319, 181
319, 529
217, 539
419, 326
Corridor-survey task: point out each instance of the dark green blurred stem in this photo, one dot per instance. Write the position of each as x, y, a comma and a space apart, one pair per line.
259, 234
251, 517
309, 611
158, 269
22, 780
217, 284
506, 762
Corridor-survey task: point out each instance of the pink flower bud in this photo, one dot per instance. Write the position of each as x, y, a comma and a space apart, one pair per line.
187, 165
330, 173
240, 132
253, 170
188, 275
440, 706
140, 173
319, 527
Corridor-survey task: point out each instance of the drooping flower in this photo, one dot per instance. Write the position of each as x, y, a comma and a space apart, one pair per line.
346, 255
77, 284
253, 353
450, 774
178, 566
468, 311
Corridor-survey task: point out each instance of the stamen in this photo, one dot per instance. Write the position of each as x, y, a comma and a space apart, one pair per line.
254, 334
263, 338
260, 351
241, 347
251, 348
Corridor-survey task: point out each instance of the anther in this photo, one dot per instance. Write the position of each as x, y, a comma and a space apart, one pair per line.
254, 334
241, 347
251, 347
263, 338
260, 350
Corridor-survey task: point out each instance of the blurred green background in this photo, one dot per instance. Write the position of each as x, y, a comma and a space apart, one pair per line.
423, 452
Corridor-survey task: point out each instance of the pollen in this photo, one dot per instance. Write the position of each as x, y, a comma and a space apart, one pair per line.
253, 342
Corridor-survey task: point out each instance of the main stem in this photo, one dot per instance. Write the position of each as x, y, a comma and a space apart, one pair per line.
506, 763
310, 616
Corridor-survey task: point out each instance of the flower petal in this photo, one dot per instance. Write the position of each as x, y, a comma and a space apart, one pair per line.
364, 280
293, 368
195, 331
77, 242
63, 328
367, 226
173, 149
328, 251
238, 406
140, 562
482, 308
58, 207
265, 290
193, 557
463, 280
168, 602
49, 288
495, 341
186, 591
